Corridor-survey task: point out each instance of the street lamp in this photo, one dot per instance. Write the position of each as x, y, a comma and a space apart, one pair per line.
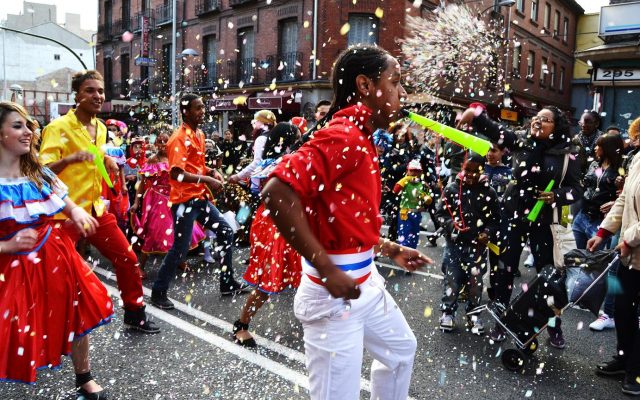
499, 3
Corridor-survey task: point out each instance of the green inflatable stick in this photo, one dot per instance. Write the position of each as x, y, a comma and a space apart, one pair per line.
533, 214
464, 139
99, 161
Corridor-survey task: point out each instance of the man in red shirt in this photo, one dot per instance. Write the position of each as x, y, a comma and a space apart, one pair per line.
190, 179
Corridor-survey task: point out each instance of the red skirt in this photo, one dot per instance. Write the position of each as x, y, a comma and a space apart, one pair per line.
273, 265
47, 298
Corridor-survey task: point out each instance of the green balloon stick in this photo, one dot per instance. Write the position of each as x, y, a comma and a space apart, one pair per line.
99, 161
533, 214
464, 139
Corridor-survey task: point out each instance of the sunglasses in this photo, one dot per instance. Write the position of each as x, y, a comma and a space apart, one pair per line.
542, 119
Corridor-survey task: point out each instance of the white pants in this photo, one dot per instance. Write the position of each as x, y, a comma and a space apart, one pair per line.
337, 330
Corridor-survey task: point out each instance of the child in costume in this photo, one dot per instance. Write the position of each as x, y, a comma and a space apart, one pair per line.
154, 226
50, 297
414, 195
470, 215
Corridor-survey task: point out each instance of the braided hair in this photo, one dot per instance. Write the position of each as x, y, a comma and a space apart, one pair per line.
367, 60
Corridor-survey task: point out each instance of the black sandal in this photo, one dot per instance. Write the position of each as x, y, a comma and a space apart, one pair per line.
239, 326
83, 394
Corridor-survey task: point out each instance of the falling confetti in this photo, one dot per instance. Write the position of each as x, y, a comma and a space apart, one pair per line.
453, 49
345, 29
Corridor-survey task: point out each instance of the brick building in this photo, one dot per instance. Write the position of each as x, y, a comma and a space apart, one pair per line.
539, 56
263, 50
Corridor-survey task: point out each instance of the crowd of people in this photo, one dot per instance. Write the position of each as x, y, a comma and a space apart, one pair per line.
181, 191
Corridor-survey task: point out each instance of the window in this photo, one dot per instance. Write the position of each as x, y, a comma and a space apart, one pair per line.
288, 49
126, 14
210, 49
108, 77
565, 29
543, 71
515, 63
552, 75
534, 10
561, 81
520, 6
247, 63
167, 66
124, 73
547, 16
363, 29
556, 24
531, 64
56, 57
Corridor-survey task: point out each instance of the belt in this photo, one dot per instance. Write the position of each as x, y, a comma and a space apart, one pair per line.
356, 265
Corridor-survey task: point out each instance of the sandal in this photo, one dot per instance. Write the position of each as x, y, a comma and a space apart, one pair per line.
239, 326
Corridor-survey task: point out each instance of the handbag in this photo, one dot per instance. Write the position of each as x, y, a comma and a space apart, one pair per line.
563, 239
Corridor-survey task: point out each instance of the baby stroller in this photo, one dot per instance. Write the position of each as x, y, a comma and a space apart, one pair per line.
546, 297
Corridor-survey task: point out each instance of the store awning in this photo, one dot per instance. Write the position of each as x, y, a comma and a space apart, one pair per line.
279, 100
525, 107
228, 102
425, 98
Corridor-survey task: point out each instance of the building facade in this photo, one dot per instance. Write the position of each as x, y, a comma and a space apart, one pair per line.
538, 57
276, 54
615, 64
35, 71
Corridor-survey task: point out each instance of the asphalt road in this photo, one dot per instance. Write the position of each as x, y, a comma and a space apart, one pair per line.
194, 358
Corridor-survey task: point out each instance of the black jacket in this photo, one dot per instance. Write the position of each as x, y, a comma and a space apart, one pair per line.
600, 188
479, 207
517, 201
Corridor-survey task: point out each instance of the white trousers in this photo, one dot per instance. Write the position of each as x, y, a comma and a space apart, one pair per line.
337, 330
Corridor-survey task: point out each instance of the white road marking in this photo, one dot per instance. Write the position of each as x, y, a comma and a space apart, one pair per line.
247, 355
429, 274
227, 327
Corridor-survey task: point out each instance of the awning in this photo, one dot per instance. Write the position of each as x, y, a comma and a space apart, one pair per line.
425, 98
279, 100
525, 107
228, 102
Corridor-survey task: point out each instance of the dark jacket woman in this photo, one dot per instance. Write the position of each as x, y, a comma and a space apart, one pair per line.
535, 163
538, 157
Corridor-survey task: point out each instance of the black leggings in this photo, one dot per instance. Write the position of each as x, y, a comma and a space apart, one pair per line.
626, 317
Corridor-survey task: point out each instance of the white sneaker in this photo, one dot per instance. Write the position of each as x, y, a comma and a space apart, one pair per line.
529, 261
603, 322
476, 326
208, 257
446, 323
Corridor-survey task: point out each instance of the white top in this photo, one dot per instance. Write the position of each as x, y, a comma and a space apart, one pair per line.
258, 149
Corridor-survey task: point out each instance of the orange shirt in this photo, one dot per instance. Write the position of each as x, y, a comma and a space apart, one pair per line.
185, 150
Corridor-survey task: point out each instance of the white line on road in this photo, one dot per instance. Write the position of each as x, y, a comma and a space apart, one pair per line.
429, 274
247, 355
226, 326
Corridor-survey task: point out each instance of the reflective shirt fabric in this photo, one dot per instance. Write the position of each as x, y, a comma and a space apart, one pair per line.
61, 138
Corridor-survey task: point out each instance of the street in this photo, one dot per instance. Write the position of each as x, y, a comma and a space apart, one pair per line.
194, 358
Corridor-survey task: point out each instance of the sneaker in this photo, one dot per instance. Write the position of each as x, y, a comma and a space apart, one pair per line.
446, 323
497, 334
610, 368
603, 322
235, 288
631, 386
432, 238
556, 339
476, 326
159, 299
138, 321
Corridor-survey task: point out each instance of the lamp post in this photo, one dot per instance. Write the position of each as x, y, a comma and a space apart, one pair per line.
174, 116
497, 4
